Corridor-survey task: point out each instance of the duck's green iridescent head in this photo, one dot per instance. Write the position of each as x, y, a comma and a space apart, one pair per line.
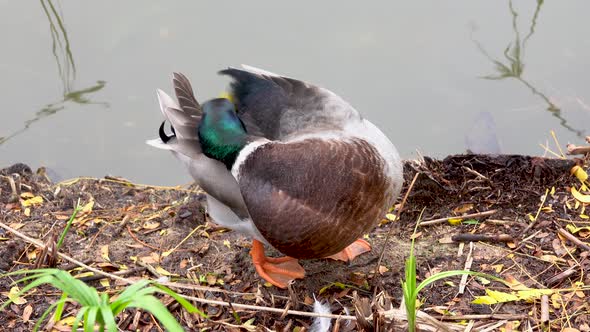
221, 132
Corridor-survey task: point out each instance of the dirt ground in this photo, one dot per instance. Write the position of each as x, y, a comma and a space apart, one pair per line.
520, 206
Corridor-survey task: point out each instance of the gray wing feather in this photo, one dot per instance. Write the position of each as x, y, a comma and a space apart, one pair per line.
275, 106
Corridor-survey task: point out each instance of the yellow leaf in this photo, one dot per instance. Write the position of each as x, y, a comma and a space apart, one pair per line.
26, 195
552, 192
226, 243
556, 300
498, 268
27, 212
104, 252
494, 297
579, 172
573, 229
390, 216
163, 272
583, 216
532, 294
483, 280
86, 209
582, 198
12, 296
68, 321
455, 221
32, 201
84, 274
104, 282
531, 218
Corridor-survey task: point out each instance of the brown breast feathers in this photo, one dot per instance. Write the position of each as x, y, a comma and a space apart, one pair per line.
312, 198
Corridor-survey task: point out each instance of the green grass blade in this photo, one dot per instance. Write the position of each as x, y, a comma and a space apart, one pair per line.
446, 274
152, 305
185, 304
79, 318
68, 225
90, 319
108, 318
46, 313
60, 307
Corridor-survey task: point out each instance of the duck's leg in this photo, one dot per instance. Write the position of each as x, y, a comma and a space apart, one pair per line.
356, 248
278, 271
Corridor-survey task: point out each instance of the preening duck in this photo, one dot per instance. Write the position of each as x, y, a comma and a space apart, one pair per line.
287, 163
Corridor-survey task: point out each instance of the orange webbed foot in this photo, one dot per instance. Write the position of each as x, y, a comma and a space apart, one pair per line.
278, 271
356, 248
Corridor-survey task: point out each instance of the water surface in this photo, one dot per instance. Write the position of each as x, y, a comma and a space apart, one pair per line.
78, 79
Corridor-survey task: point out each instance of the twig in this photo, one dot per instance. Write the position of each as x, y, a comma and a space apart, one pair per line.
544, 309
499, 222
574, 239
482, 316
576, 149
467, 267
468, 237
465, 216
559, 277
476, 173
141, 242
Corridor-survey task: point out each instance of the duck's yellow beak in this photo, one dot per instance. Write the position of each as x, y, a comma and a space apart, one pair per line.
228, 96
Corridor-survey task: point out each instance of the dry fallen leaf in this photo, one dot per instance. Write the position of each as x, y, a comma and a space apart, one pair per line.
463, 208
27, 311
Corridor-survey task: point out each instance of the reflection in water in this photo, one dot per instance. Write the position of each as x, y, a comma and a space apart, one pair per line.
481, 137
514, 67
66, 68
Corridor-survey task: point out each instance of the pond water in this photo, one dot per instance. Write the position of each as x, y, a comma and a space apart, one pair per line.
78, 79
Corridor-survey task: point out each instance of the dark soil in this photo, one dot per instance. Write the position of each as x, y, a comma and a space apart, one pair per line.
135, 225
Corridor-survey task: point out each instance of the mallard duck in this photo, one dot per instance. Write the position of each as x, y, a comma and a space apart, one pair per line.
287, 163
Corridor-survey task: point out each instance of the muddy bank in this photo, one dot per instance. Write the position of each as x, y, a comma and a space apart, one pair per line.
519, 205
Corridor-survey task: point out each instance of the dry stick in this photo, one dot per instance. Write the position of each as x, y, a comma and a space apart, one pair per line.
561, 276
467, 267
482, 316
575, 149
574, 239
476, 173
196, 299
472, 215
468, 237
544, 309
401, 208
